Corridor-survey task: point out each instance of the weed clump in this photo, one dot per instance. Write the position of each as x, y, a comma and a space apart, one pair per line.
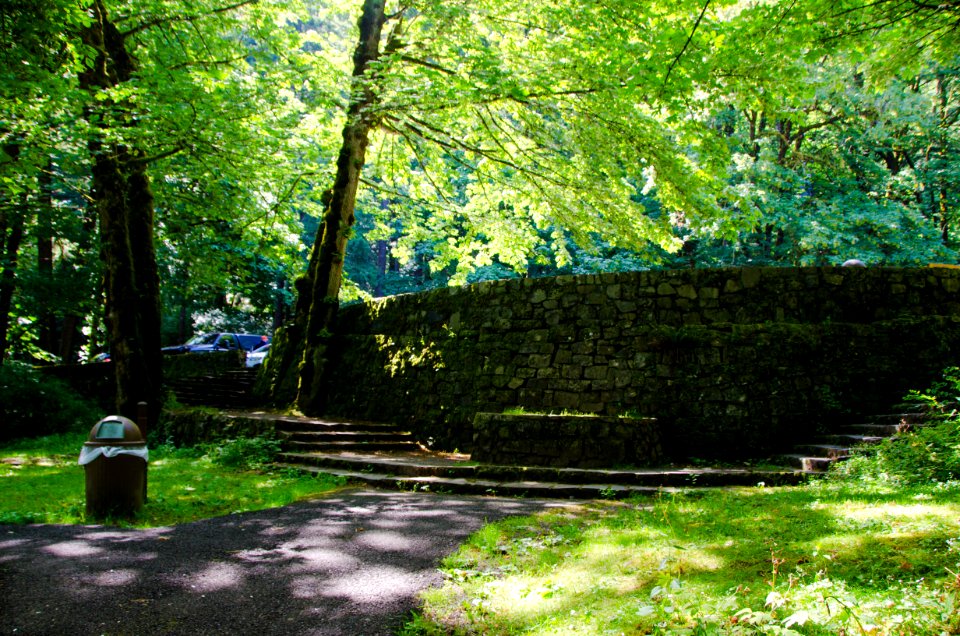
245, 453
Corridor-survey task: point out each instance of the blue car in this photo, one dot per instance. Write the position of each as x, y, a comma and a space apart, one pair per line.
205, 343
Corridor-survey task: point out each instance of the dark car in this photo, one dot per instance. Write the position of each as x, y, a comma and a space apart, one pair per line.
219, 341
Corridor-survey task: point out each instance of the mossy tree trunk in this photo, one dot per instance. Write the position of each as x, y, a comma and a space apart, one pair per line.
124, 204
304, 343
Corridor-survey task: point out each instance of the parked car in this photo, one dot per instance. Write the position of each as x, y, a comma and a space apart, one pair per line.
205, 343
255, 358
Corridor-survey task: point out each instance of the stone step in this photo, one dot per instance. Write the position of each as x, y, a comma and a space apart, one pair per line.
472, 486
213, 390
834, 451
906, 418
817, 456
425, 468
340, 446
294, 424
848, 439
807, 463
321, 436
870, 430
307, 435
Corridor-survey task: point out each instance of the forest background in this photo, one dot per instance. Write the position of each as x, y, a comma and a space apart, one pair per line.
176, 162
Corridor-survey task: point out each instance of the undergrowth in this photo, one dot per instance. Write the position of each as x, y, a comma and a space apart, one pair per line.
34, 404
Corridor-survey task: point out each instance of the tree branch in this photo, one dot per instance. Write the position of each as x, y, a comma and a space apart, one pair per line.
693, 31
207, 63
413, 60
143, 161
185, 18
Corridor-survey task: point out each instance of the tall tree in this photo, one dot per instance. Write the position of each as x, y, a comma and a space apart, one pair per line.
321, 286
124, 202
549, 109
516, 124
156, 79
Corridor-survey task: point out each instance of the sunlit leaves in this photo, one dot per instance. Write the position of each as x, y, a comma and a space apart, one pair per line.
509, 120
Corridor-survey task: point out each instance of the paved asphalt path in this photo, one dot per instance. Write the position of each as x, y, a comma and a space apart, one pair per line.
349, 564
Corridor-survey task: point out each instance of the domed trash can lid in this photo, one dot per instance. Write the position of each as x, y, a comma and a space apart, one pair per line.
114, 435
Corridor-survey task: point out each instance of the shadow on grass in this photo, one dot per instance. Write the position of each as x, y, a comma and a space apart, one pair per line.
688, 558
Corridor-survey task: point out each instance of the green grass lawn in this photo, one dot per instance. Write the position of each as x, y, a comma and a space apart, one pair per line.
41, 482
820, 559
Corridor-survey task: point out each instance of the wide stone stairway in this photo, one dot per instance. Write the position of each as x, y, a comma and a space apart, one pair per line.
383, 455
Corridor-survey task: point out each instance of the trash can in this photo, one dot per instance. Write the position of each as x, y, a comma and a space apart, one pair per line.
114, 459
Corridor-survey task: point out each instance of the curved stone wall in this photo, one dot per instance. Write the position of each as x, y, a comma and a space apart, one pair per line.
731, 362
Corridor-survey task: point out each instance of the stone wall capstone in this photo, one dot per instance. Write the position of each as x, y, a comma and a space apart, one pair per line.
732, 362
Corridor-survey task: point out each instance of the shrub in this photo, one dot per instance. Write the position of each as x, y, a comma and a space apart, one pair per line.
33, 404
245, 453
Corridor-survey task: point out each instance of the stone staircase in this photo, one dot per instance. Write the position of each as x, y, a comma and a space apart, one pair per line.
305, 436
381, 455
232, 389
819, 454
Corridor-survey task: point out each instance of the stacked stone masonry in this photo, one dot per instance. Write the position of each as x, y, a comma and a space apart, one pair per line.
565, 441
732, 362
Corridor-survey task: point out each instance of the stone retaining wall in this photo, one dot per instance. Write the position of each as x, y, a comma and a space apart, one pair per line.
732, 362
192, 426
565, 441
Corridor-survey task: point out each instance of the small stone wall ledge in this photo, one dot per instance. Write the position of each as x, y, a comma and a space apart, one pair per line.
566, 441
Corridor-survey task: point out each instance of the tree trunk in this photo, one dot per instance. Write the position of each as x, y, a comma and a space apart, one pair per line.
784, 137
146, 283
12, 221
944, 217
124, 204
942, 107
71, 335
47, 320
382, 253
322, 283
279, 304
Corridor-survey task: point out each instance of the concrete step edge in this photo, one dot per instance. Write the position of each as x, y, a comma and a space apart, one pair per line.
346, 435
356, 445
493, 488
571, 476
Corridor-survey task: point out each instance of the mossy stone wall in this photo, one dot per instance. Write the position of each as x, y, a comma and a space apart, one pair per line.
565, 441
732, 362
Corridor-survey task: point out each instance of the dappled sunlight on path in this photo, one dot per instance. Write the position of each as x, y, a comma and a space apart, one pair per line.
350, 563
